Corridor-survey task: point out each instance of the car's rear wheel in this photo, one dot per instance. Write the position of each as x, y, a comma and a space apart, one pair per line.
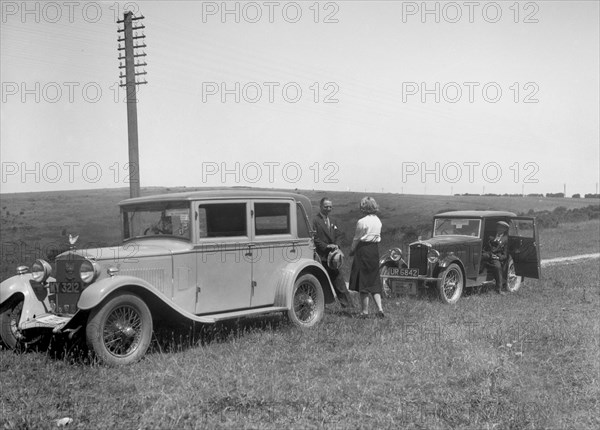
308, 302
9, 323
119, 331
513, 282
451, 284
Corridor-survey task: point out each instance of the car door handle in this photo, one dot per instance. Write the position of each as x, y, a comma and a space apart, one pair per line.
249, 252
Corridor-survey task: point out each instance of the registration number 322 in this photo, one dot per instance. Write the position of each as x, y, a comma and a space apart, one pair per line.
67, 287
397, 271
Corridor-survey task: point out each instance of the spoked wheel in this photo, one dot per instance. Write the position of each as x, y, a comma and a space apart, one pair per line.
513, 282
9, 324
308, 302
451, 284
119, 332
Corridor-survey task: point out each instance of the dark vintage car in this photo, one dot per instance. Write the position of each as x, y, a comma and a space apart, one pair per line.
204, 256
451, 260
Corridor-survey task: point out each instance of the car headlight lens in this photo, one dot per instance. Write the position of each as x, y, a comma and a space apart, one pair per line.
40, 270
433, 256
88, 271
396, 254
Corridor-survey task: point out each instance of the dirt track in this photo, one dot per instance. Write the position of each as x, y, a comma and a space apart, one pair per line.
561, 260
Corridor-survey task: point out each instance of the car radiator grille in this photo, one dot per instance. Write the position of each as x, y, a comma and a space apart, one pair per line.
418, 258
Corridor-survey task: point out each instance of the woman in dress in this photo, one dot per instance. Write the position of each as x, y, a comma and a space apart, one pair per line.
364, 276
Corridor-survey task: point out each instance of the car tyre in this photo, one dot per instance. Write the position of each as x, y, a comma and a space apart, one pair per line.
9, 321
513, 282
451, 284
308, 302
119, 331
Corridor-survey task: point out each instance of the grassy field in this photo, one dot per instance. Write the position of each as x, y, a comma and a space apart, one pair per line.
528, 360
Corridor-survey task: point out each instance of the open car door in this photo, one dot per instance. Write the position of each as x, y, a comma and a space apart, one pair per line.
523, 246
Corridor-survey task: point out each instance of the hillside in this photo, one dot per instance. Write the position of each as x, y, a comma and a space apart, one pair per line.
34, 224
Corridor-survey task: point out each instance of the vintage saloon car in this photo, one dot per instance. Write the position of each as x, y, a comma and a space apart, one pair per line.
451, 260
205, 256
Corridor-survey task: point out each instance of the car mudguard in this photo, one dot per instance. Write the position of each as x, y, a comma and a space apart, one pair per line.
443, 264
95, 293
35, 295
290, 273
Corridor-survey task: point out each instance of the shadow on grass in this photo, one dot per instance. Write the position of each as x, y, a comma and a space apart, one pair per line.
184, 336
177, 337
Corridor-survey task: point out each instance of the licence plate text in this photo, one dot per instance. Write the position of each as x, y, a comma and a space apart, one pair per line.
404, 271
66, 287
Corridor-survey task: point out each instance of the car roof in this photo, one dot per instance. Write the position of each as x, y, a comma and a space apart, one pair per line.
476, 214
216, 194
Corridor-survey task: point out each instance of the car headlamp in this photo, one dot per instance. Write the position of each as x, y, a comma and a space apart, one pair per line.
88, 271
40, 271
433, 256
396, 254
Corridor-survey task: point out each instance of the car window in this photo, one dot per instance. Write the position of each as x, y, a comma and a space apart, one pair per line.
222, 220
157, 219
456, 226
521, 228
302, 221
272, 218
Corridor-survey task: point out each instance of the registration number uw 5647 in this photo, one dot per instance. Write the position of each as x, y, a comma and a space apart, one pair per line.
404, 271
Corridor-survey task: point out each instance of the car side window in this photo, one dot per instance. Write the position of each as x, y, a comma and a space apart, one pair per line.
521, 228
302, 221
222, 220
272, 218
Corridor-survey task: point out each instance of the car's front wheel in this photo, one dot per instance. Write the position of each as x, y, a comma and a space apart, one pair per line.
119, 331
513, 282
9, 323
308, 302
451, 284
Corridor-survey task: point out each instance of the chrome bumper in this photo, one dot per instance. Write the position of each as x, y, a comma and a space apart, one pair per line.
410, 278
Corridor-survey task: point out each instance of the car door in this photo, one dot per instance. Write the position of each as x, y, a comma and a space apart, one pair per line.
523, 246
223, 259
273, 246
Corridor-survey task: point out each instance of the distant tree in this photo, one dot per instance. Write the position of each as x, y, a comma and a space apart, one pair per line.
592, 196
576, 196
555, 194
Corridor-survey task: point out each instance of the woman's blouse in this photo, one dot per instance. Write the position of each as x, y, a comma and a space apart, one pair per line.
368, 229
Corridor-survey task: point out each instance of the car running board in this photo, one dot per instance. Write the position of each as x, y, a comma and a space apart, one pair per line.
242, 314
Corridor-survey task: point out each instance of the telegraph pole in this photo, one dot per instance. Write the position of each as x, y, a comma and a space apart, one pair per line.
130, 49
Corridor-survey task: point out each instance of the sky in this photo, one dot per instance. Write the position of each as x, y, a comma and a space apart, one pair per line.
368, 96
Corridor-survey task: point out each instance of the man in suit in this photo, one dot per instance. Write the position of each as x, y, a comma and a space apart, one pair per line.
495, 254
327, 236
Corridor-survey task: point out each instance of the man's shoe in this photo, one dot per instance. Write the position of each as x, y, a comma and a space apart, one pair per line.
380, 314
501, 292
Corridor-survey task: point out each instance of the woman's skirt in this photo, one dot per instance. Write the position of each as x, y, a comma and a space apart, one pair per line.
364, 276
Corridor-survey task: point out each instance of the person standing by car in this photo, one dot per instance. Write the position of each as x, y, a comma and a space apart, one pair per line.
327, 237
364, 276
495, 254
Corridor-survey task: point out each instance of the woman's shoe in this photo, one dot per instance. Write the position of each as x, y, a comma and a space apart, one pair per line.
380, 314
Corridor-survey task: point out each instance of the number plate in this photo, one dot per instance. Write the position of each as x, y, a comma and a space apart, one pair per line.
65, 287
397, 271
403, 288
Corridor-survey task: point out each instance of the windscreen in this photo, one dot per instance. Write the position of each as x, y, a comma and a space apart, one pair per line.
456, 226
157, 219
